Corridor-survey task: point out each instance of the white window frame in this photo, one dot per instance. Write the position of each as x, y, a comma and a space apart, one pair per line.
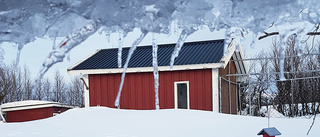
176, 94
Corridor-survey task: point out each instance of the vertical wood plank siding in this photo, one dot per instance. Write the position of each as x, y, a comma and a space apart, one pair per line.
138, 89
33, 114
226, 96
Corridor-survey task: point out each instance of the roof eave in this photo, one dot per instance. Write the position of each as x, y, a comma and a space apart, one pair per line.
25, 105
147, 69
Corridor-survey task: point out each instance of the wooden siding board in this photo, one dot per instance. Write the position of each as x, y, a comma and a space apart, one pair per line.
134, 89
110, 90
117, 80
208, 90
192, 90
92, 89
233, 89
27, 115
147, 95
162, 94
225, 100
200, 91
224, 90
104, 93
33, 114
152, 93
170, 90
196, 91
163, 81
99, 90
204, 90
138, 89
138, 94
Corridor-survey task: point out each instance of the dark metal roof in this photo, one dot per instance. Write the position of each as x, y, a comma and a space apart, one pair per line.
192, 53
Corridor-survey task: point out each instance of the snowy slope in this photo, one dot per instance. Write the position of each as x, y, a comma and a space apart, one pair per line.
106, 122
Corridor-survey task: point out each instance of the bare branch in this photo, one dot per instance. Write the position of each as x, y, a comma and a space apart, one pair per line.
277, 33
268, 34
313, 33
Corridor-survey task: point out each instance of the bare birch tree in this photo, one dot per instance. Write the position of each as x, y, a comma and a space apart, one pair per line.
39, 89
76, 97
5, 83
47, 89
59, 88
28, 85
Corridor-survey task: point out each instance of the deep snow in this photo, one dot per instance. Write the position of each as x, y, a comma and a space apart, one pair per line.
107, 122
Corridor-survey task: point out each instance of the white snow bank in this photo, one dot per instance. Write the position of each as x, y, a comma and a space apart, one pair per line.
273, 112
106, 122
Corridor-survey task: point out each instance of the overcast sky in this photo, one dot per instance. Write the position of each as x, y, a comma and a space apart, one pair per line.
33, 54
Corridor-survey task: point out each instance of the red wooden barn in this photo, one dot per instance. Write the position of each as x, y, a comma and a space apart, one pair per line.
193, 83
28, 110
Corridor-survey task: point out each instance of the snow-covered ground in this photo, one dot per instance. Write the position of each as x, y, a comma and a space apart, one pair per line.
107, 122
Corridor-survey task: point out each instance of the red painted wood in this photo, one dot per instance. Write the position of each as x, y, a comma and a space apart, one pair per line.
112, 89
133, 91
162, 95
200, 94
33, 114
98, 90
138, 89
208, 93
92, 92
192, 89
146, 79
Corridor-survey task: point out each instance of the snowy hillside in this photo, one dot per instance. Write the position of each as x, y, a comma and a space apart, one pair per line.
106, 122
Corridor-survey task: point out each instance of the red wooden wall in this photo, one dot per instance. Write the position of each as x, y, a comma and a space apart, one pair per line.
33, 114
138, 89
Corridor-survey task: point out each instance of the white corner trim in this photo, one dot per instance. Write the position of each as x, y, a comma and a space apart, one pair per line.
176, 94
2, 117
215, 90
86, 93
147, 69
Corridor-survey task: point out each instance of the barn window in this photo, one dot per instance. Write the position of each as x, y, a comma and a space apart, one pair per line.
181, 93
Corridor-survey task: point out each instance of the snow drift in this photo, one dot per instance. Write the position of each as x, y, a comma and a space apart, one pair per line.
102, 121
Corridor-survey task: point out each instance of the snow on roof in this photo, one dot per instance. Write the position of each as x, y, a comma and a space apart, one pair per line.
30, 104
272, 131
